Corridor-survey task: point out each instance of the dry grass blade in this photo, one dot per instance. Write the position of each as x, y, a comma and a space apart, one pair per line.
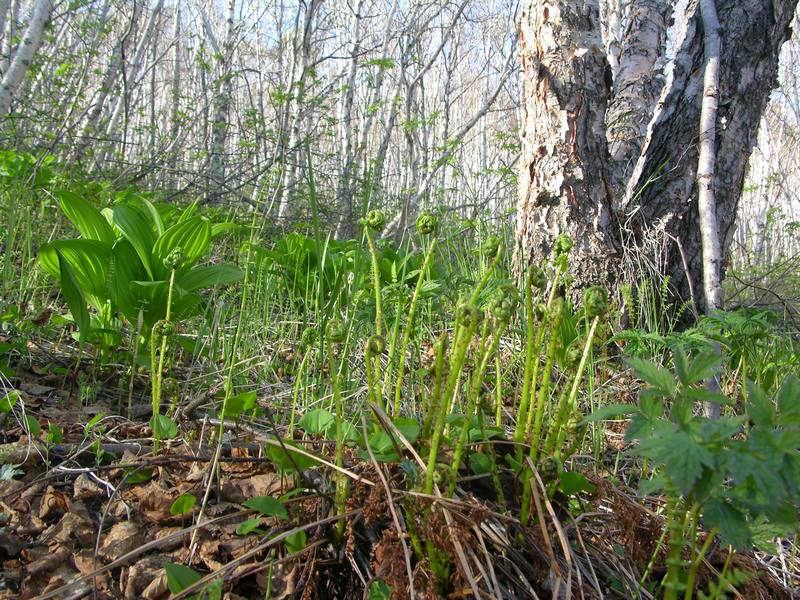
395, 517
203, 581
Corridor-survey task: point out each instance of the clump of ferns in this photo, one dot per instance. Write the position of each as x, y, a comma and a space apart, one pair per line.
336, 334
542, 401
468, 318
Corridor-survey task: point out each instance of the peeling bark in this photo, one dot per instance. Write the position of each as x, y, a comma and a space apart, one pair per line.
655, 209
563, 185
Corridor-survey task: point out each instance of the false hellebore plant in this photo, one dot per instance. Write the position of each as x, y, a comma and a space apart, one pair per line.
139, 262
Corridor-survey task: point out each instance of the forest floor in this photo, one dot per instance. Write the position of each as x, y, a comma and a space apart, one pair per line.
96, 514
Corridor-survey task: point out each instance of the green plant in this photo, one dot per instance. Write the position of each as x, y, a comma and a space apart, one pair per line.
122, 262
730, 475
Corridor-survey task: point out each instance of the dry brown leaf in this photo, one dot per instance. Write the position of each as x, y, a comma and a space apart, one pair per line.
54, 503
239, 490
121, 539
140, 575
85, 487
10, 544
163, 532
282, 583
48, 560
153, 500
72, 529
157, 588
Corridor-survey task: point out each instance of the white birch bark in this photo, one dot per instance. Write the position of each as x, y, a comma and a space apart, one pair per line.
302, 62
707, 207
31, 40
132, 75
344, 195
221, 105
12, 9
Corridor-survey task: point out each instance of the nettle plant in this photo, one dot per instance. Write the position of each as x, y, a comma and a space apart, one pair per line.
734, 477
139, 262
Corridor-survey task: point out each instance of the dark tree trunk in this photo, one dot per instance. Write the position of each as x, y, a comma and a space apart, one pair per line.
614, 164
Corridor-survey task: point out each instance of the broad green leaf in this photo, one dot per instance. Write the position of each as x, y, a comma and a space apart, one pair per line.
649, 486
200, 278
218, 229
139, 476
192, 236
789, 400
180, 577
138, 231
761, 410
240, 403
89, 260
681, 362
87, 429
54, 435
721, 429
154, 213
378, 590
479, 463
86, 218
182, 505
571, 482
316, 421
295, 542
164, 427
34, 427
288, 459
733, 527
658, 377
747, 466
683, 458
409, 428
268, 506
211, 591
703, 366
703, 395
70, 288
8, 401
247, 527
125, 268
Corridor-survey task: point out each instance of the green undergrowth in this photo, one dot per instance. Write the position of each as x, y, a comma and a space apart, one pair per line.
425, 355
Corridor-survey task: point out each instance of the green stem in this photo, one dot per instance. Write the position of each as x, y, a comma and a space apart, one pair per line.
558, 430
472, 402
158, 372
538, 414
398, 385
692, 576
463, 336
429, 408
524, 420
341, 480
376, 283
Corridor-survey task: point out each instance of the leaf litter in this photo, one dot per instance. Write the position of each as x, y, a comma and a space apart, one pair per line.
93, 516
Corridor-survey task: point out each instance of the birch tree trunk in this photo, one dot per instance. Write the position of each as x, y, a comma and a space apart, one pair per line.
301, 64
222, 102
344, 193
132, 75
706, 203
628, 190
31, 40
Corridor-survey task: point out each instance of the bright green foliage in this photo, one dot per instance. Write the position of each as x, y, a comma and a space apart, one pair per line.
182, 504
119, 265
738, 470
268, 506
